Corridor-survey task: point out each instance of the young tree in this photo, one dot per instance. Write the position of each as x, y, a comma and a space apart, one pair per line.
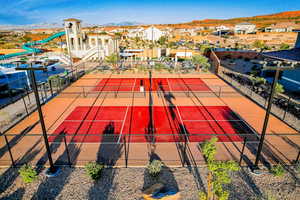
218, 172
259, 44
112, 59
200, 61
162, 41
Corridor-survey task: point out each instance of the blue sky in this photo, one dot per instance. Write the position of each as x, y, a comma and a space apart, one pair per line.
144, 11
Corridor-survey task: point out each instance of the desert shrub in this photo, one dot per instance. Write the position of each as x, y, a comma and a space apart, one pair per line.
277, 170
155, 167
218, 171
159, 67
202, 196
284, 46
297, 167
27, 173
279, 88
94, 170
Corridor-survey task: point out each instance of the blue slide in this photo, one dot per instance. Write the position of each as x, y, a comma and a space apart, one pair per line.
29, 47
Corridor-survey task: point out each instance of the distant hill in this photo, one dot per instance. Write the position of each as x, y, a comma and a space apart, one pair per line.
125, 23
260, 21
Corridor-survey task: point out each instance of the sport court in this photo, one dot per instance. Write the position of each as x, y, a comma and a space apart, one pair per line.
152, 123
101, 122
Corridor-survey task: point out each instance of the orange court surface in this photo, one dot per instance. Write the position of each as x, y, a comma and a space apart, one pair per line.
120, 119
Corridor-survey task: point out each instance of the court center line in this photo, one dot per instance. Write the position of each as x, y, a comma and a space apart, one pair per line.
124, 120
121, 131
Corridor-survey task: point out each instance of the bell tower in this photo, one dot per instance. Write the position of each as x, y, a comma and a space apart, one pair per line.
74, 35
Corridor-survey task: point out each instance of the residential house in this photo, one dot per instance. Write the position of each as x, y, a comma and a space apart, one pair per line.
282, 27
245, 28
152, 33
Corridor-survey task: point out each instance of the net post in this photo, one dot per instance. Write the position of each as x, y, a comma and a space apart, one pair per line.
242, 153
83, 91
9, 151
220, 89
67, 151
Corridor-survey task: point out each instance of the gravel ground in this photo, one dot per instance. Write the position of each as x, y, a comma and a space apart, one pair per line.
127, 184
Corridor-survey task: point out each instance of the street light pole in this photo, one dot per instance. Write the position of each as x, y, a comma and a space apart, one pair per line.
278, 68
31, 69
266, 120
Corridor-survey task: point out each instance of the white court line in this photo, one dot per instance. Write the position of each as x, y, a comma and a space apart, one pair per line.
102, 120
186, 120
121, 131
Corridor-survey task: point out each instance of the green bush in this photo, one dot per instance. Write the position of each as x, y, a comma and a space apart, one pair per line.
279, 88
94, 170
202, 196
154, 167
277, 170
27, 173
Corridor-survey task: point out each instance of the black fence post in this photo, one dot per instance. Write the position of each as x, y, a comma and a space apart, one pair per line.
242, 153
9, 151
67, 151
50, 85
25, 105
287, 108
184, 153
28, 95
45, 91
126, 153
297, 159
42, 95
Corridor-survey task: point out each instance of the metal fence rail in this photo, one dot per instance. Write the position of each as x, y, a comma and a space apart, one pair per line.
15, 150
283, 114
23, 105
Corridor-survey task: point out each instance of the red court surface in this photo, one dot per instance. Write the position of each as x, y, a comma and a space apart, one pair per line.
151, 124
153, 84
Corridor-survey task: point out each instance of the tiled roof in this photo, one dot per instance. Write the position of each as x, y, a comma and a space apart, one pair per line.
290, 55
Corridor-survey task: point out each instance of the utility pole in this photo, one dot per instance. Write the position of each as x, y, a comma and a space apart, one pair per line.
52, 170
277, 69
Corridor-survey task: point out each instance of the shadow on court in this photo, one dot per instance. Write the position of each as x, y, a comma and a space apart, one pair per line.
108, 154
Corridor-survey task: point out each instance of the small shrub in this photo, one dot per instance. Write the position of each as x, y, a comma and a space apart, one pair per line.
277, 170
27, 173
202, 196
270, 196
94, 170
154, 168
